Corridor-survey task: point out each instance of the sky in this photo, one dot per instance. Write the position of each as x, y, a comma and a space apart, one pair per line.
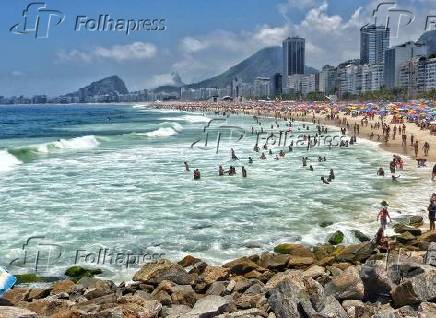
200, 38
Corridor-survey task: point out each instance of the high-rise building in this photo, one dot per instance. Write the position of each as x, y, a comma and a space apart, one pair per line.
397, 56
374, 41
327, 79
293, 58
276, 84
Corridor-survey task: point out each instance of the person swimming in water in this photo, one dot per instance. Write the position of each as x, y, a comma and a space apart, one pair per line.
244, 172
381, 172
331, 176
233, 155
324, 180
304, 160
310, 168
186, 166
250, 160
196, 174
263, 157
220, 171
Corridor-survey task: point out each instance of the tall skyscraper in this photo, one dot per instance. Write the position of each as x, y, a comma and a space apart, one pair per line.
398, 55
293, 58
374, 41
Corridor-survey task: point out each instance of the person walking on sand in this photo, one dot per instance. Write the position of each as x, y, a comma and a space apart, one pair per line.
416, 146
426, 148
432, 211
383, 215
433, 175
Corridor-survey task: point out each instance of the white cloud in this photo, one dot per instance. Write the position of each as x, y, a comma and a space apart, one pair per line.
118, 53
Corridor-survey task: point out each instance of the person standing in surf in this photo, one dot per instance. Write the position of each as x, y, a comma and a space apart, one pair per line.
432, 212
383, 215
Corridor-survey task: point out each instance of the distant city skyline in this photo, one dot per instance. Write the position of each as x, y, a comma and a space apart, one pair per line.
202, 39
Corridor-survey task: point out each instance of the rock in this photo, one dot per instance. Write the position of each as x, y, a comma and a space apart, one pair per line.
405, 238
15, 295
209, 306
401, 228
78, 272
241, 266
283, 299
331, 308
137, 307
231, 286
28, 279
293, 249
154, 273
346, 286
427, 310
249, 313
430, 256
336, 238
428, 237
176, 311
183, 295
329, 260
63, 286
14, 312
189, 260
95, 288
323, 251
217, 288
325, 224
355, 253
352, 306
49, 306
376, 281
416, 221
212, 274
361, 236
416, 289
273, 261
299, 262
38, 293
314, 271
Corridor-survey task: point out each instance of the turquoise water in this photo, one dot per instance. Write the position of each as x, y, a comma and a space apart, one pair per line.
89, 177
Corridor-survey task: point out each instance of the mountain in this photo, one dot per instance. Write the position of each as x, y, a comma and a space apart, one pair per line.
265, 62
105, 86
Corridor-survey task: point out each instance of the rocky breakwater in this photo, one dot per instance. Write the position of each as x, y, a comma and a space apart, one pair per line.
358, 280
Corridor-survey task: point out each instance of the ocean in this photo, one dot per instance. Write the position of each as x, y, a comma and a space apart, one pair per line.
105, 185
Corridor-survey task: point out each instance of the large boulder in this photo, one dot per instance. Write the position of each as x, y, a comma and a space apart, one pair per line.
273, 261
430, 256
416, 289
14, 312
207, 307
242, 266
323, 251
212, 274
361, 236
249, 313
355, 253
376, 281
154, 273
405, 238
346, 286
15, 295
77, 272
300, 262
293, 249
429, 236
401, 228
336, 238
63, 286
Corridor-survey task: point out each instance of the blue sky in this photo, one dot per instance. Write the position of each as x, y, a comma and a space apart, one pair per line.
202, 38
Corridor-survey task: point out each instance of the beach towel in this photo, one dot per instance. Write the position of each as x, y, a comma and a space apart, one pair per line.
6, 281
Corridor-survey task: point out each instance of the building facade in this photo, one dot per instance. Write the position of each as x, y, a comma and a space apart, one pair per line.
293, 58
374, 41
